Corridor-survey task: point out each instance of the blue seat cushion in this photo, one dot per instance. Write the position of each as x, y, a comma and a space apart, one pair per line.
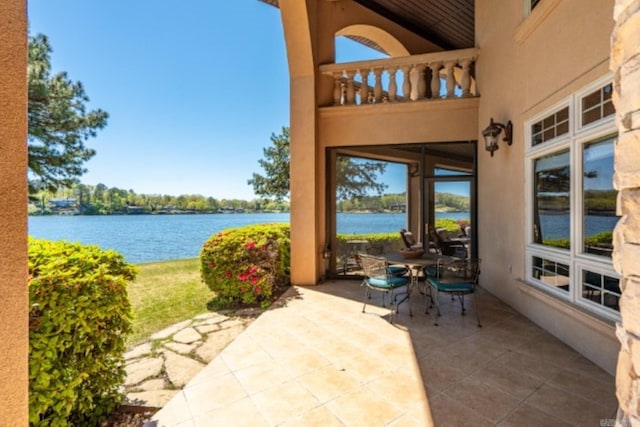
397, 270
387, 282
451, 286
431, 271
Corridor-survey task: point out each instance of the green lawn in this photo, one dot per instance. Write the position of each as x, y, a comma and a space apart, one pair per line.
166, 293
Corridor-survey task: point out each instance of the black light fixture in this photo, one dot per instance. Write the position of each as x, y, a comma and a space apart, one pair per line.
490, 135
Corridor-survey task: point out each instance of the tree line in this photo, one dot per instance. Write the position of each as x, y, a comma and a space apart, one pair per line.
102, 200
85, 199
444, 202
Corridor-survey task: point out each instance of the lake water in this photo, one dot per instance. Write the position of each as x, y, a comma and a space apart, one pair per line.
146, 238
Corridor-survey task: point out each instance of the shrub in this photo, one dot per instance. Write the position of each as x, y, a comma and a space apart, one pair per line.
78, 321
379, 243
244, 266
451, 225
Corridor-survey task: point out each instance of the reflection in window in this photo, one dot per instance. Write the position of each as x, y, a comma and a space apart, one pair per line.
599, 198
551, 273
552, 201
601, 289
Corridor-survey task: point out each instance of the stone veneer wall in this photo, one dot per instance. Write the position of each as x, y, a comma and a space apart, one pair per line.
625, 62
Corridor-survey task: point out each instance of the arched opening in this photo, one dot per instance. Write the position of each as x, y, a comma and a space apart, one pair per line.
375, 38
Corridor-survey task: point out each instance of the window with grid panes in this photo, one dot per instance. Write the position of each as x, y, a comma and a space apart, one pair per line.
572, 201
550, 127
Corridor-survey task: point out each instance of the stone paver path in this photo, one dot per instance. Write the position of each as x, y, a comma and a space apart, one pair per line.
160, 368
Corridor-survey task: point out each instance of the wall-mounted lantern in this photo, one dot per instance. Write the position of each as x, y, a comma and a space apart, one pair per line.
491, 133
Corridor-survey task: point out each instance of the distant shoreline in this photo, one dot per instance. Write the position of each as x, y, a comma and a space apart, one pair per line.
157, 213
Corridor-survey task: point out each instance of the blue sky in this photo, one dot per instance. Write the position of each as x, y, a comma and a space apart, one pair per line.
193, 96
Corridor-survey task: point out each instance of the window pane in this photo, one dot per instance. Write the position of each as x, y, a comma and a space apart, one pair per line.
550, 127
591, 100
549, 134
591, 116
608, 109
597, 105
563, 128
601, 289
562, 115
371, 198
449, 172
599, 198
551, 273
552, 200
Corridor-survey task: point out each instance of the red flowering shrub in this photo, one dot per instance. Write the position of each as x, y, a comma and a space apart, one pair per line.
246, 265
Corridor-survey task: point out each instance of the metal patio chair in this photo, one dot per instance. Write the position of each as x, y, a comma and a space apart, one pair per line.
457, 277
379, 277
446, 247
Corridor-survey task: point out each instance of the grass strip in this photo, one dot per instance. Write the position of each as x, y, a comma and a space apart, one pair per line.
165, 293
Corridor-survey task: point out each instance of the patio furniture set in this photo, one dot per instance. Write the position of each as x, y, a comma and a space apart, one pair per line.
400, 275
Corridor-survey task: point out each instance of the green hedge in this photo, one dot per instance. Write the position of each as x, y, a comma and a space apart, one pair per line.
379, 243
244, 266
79, 318
601, 240
452, 225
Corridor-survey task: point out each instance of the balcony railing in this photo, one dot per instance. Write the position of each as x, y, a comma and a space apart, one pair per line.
406, 79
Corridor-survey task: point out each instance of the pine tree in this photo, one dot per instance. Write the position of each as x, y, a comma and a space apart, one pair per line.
59, 123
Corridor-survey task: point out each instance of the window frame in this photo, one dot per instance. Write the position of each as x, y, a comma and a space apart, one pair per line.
575, 141
583, 93
528, 8
533, 18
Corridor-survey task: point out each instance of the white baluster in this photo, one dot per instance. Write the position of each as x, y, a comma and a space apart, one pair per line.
451, 81
406, 82
393, 86
351, 92
465, 80
435, 79
421, 83
377, 87
337, 89
364, 89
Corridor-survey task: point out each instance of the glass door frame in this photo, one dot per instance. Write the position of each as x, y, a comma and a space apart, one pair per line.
429, 205
331, 153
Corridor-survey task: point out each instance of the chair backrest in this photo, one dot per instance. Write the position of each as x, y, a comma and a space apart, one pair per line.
459, 270
407, 238
443, 234
434, 237
374, 266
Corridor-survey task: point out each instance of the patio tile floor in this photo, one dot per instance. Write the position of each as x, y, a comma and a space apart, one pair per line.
315, 359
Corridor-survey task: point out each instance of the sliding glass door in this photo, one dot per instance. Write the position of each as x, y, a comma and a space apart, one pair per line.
375, 191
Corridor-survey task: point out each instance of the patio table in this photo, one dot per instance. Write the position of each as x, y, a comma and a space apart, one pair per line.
415, 265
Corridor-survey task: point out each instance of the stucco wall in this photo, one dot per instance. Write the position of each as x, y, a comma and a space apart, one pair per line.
13, 215
310, 27
525, 66
518, 77
433, 121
